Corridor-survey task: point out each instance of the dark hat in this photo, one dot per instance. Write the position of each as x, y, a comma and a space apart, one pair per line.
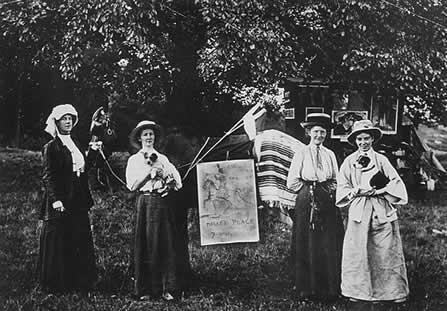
317, 118
364, 126
136, 132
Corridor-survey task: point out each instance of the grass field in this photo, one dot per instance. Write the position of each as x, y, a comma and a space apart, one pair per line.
233, 277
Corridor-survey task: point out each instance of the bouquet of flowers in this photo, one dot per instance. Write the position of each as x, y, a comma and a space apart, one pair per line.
160, 180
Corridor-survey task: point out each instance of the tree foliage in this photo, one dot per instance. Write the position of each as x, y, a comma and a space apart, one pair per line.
190, 57
260, 42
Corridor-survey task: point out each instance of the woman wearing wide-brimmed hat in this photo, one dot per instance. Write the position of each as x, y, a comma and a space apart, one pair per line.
373, 265
317, 234
66, 256
153, 176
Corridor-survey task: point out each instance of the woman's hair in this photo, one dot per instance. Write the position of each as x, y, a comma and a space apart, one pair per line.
157, 134
140, 131
365, 132
73, 118
307, 129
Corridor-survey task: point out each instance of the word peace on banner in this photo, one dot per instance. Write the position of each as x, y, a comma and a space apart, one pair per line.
227, 202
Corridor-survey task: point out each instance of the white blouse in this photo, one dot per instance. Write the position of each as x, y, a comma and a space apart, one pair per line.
137, 169
76, 155
304, 167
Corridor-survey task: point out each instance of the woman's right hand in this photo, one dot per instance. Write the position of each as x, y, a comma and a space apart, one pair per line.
58, 206
367, 192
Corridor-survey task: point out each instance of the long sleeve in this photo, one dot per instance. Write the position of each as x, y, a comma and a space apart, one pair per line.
171, 170
136, 172
294, 180
395, 190
333, 180
53, 187
343, 195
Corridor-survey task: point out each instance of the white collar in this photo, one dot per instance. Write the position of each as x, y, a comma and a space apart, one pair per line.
369, 153
144, 150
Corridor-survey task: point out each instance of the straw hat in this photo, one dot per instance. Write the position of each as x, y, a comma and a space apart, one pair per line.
364, 126
136, 132
317, 118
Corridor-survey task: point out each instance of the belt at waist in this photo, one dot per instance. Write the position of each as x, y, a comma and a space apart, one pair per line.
314, 182
151, 193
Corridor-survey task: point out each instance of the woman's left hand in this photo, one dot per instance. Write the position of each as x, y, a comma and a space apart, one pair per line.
96, 145
380, 191
367, 193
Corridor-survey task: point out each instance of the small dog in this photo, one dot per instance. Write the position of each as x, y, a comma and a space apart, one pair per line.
161, 181
379, 180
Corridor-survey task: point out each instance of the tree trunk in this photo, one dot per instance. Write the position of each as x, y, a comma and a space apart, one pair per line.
18, 132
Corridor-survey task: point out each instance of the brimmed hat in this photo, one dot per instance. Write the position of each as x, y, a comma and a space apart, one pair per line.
135, 134
364, 126
317, 118
56, 114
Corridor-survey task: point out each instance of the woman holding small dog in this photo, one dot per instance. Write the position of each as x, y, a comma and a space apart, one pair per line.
150, 173
373, 265
317, 233
66, 255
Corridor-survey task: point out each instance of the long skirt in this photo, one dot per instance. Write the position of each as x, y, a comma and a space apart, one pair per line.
373, 266
316, 252
66, 256
154, 248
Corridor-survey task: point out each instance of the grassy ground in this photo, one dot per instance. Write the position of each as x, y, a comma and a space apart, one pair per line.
233, 277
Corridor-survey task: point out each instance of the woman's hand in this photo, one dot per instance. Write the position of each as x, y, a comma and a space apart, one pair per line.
95, 145
367, 192
59, 206
371, 192
380, 191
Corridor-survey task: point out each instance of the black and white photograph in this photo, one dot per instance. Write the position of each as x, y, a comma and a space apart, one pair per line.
223, 155
344, 120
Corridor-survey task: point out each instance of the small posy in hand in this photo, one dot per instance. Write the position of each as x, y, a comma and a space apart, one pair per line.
58, 206
95, 145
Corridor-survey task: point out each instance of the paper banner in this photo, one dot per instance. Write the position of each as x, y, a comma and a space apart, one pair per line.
227, 202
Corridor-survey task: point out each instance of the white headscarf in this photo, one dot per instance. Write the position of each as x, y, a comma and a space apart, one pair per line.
51, 128
57, 113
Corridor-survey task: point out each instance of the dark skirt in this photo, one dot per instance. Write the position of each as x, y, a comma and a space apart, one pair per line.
66, 256
316, 252
154, 248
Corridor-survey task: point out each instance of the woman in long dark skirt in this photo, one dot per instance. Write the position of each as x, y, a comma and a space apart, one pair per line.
317, 234
153, 176
66, 256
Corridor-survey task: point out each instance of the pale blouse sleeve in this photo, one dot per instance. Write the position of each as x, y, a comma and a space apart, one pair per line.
294, 180
333, 179
171, 170
136, 171
344, 192
395, 190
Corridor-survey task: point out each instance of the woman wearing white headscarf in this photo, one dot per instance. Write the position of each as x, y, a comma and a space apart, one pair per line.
373, 264
66, 256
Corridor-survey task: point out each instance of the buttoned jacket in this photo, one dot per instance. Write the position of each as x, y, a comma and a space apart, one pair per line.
58, 181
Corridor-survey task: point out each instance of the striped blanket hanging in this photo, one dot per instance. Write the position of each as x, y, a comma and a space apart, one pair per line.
275, 150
